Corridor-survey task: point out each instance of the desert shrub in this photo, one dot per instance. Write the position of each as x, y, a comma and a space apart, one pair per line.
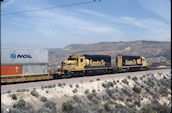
50, 86
91, 80
129, 77
108, 106
135, 78
166, 82
126, 92
9, 91
129, 100
137, 89
90, 96
95, 101
44, 109
87, 91
125, 81
13, 96
150, 82
104, 85
110, 84
163, 91
141, 78
51, 105
75, 90
93, 90
47, 91
64, 84
59, 84
22, 107
23, 90
142, 86
34, 93
98, 79
110, 93
75, 97
77, 85
20, 104
117, 81
42, 87
43, 99
70, 85
159, 74
137, 103
156, 107
105, 97
114, 82
67, 106
19, 90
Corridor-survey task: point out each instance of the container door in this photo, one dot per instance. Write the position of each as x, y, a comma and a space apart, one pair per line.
11, 69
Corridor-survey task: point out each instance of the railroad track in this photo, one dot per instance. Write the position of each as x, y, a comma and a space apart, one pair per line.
38, 84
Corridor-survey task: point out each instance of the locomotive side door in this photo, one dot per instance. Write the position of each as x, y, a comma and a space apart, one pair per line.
82, 63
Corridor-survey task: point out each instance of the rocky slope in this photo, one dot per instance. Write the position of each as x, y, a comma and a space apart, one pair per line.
148, 93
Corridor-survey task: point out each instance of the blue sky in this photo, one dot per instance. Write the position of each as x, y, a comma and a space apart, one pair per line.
104, 21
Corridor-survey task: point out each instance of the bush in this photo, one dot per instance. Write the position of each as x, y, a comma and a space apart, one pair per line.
90, 96
77, 85
13, 96
134, 78
70, 85
110, 84
50, 86
43, 99
137, 89
20, 104
87, 91
125, 81
59, 84
42, 87
34, 93
93, 90
98, 79
9, 91
44, 110
91, 80
129, 77
51, 105
47, 91
67, 107
75, 97
64, 84
19, 90
104, 85
150, 83
108, 106
75, 90
163, 91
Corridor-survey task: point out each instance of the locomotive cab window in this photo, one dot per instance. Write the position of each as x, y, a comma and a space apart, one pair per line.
81, 60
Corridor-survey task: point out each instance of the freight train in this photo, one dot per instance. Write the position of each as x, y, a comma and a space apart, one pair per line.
77, 64
81, 65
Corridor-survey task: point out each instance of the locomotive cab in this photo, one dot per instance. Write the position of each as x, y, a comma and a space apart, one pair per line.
74, 63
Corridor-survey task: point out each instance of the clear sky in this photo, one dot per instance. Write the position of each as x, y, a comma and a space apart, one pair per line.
104, 21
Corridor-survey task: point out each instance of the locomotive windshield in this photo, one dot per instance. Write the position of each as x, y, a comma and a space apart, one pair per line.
71, 58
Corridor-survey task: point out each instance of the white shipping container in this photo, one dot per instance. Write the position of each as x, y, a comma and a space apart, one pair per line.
30, 69
12, 56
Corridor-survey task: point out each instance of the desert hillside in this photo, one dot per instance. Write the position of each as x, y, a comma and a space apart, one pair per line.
134, 93
156, 52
